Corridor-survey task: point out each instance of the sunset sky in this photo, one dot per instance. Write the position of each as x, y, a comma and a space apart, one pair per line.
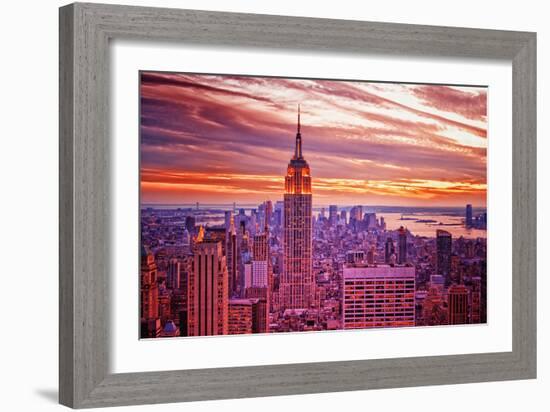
220, 139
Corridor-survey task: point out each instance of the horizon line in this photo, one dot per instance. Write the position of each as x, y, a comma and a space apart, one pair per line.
324, 204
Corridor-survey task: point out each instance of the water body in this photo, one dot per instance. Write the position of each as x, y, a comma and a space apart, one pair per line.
420, 221
424, 224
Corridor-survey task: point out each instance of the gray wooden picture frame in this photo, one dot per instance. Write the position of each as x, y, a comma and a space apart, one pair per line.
85, 32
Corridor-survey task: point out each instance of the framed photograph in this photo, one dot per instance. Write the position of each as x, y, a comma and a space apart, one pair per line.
256, 205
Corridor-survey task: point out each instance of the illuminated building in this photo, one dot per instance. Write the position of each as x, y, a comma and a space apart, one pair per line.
433, 310
378, 296
260, 260
458, 305
248, 316
149, 287
297, 284
150, 321
240, 316
207, 289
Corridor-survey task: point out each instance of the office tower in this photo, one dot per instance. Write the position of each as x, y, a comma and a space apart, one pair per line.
260, 315
333, 215
378, 296
207, 289
190, 224
297, 285
382, 223
260, 261
444, 252
369, 221
248, 315
389, 250
458, 305
260, 309
178, 305
343, 217
173, 274
402, 245
165, 305
240, 316
355, 217
469, 216
150, 321
433, 308
247, 276
475, 309
232, 252
149, 286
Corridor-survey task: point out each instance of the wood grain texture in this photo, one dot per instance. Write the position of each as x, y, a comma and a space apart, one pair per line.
85, 31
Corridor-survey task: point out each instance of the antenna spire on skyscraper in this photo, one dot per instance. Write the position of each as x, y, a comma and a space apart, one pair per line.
298, 117
298, 149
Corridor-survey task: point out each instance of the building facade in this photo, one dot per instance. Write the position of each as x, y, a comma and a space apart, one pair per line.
458, 305
402, 244
297, 288
378, 296
208, 291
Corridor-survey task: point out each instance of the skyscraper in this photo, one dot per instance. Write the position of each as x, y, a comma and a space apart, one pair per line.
458, 305
207, 288
240, 316
150, 321
296, 285
149, 287
173, 275
378, 296
469, 216
232, 257
402, 244
260, 261
333, 215
190, 224
444, 251
343, 217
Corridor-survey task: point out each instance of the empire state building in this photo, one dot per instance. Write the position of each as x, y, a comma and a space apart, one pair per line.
297, 287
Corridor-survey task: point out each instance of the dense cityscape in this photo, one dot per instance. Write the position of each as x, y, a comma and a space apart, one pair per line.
289, 265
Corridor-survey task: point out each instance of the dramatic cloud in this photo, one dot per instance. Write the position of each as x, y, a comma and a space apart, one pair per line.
229, 138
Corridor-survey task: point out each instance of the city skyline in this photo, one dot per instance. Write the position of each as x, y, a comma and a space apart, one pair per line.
369, 143
279, 267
